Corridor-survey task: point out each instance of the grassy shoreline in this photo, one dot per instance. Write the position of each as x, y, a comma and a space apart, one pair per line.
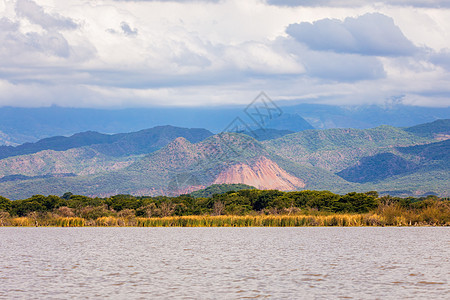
244, 208
341, 220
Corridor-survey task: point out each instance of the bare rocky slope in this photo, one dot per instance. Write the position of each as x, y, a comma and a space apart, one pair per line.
262, 174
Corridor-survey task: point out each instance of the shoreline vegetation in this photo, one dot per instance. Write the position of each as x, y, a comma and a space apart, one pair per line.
244, 208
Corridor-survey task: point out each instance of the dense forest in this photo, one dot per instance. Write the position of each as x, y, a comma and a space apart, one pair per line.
127, 210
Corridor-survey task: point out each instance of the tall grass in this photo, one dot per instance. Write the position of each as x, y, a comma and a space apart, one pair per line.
385, 216
20, 222
57, 222
261, 221
69, 222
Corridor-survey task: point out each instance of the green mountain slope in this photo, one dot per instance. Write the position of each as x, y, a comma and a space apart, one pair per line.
103, 153
150, 140
433, 129
180, 167
122, 144
220, 189
377, 167
287, 121
414, 170
439, 151
268, 134
314, 178
337, 149
383, 158
58, 143
7, 140
421, 182
79, 161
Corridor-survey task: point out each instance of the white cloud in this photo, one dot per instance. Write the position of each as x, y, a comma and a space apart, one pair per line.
36, 14
441, 58
134, 53
28, 49
370, 34
353, 3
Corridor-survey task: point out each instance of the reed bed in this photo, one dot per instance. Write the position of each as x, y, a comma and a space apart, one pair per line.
278, 221
69, 222
19, 222
55, 222
255, 221
343, 220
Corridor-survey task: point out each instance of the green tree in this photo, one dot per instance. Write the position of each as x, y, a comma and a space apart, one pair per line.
5, 204
33, 204
236, 204
280, 202
264, 198
320, 200
357, 202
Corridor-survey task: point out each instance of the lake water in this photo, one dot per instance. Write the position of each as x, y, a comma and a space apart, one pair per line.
225, 263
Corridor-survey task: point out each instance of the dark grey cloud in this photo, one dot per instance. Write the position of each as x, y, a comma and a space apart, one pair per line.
370, 34
36, 14
127, 30
353, 3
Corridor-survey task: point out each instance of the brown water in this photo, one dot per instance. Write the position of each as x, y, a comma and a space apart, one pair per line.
224, 263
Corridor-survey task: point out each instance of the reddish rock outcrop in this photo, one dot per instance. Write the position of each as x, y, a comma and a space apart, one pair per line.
263, 174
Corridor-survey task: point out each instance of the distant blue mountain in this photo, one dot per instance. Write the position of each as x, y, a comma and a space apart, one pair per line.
121, 144
21, 125
367, 116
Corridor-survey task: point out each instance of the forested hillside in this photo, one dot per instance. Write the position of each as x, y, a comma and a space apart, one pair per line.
171, 161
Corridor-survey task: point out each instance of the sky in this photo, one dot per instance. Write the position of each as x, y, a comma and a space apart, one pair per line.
114, 54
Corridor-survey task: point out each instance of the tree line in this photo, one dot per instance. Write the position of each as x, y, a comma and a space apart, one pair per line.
243, 202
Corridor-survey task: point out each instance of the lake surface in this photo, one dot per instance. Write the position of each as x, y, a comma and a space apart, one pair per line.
225, 263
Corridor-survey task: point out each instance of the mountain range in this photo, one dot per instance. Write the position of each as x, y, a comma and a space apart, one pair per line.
21, 125
168, 160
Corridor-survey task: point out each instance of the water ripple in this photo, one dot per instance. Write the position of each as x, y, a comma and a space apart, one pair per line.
224, 263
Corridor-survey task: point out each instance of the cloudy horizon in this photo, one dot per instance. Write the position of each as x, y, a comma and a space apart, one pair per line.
115, 53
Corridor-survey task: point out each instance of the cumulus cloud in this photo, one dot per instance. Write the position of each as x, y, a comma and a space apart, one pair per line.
137, 53
15, 46
370, 34
353, 3
20, 47
441, 58
181, 1
343, 67
316, 2
52, 43
258, 58
6, 25
125, 29
36, 14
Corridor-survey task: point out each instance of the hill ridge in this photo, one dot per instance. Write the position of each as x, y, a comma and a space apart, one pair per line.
143, 140
312, 157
